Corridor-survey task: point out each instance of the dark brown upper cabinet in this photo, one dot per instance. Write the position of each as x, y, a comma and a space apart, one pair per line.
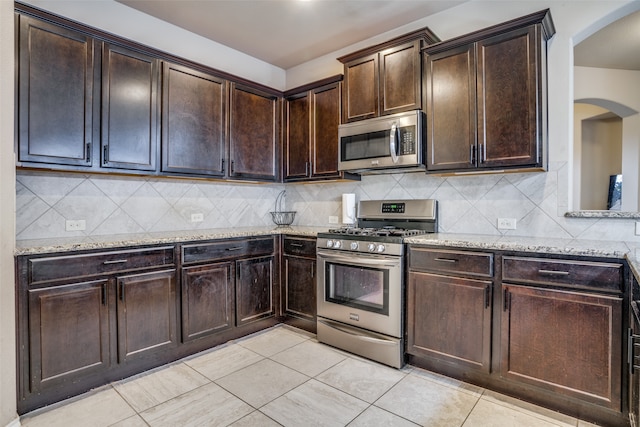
253, 134
55, 94
194, 108
130, 109
486, 96
312, 115
385, 78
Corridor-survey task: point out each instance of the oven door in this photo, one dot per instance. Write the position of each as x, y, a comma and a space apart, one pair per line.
362, 290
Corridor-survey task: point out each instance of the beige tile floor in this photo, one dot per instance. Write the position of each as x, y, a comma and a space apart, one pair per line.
283, 376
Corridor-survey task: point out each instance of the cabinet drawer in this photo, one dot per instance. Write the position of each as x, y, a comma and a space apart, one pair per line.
226, 249
575, 274
100, 263
445, 261
300, 247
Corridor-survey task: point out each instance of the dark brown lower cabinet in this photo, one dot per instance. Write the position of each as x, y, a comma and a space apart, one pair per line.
254, 289
207, 300
69, 333
449, 319
566, 342
146, 314
300, 287
299, 276
634, 364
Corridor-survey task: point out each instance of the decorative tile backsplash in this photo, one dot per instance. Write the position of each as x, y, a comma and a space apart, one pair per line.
467, 204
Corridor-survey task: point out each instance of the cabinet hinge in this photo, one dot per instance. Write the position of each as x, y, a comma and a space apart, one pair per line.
88, 156
105, 154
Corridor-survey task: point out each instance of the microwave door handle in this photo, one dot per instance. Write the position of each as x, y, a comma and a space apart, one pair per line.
393, 146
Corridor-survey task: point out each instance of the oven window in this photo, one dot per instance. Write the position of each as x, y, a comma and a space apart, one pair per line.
365, 288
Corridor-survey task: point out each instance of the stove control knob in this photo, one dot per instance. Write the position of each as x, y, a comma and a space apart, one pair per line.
329, 243
371, 247
354, 246
337, 244
381, 248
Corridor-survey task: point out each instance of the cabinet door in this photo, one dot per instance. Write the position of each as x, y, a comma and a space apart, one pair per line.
360, 98
254, 289
565, 342
55, 94
634, 363
400, 78
253, 134
207, 300
69, 333
193, 122
451, 109
300, 287
508, 93
326, 119
129, 109
297, 137
449, 319
146, 314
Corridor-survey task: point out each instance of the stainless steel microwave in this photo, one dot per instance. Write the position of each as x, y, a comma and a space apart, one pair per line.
383, 144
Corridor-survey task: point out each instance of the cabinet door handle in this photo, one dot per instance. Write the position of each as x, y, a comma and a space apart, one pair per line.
122, 291
553, 273
105, 154
88, 156
487, 296
222, 166
506, 300
313, 268
235, 248
472, 154
450, 260
115, 261
104, 294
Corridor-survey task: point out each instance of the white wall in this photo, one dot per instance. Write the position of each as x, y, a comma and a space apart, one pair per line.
7, 219
601, 158
621, 90
116, 18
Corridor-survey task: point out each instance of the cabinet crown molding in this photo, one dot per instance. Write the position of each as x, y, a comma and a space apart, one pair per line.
542, 17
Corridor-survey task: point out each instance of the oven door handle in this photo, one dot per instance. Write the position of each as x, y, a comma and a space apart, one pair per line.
374, 262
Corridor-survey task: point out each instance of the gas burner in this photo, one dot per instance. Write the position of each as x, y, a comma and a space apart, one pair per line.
378, 232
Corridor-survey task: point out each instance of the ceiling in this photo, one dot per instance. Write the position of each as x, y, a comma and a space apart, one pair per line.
286, 33
615, 46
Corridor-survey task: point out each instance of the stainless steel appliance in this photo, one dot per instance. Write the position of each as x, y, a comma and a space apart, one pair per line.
383, 144
361, 278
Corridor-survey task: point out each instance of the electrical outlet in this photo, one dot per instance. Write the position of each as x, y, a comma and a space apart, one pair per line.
506, 223
75, 225
197, 217
333, 219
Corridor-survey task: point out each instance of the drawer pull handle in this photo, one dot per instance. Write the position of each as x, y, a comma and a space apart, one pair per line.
115, 261
235, 248
296, 245
553, 273
451, 260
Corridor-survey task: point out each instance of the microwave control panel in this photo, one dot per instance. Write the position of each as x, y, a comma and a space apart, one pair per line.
407, 140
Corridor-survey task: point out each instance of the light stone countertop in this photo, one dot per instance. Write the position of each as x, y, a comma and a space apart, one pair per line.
41, 246
595, 248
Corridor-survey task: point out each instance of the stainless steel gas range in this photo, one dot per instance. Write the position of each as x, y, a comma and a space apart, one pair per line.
361, 278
